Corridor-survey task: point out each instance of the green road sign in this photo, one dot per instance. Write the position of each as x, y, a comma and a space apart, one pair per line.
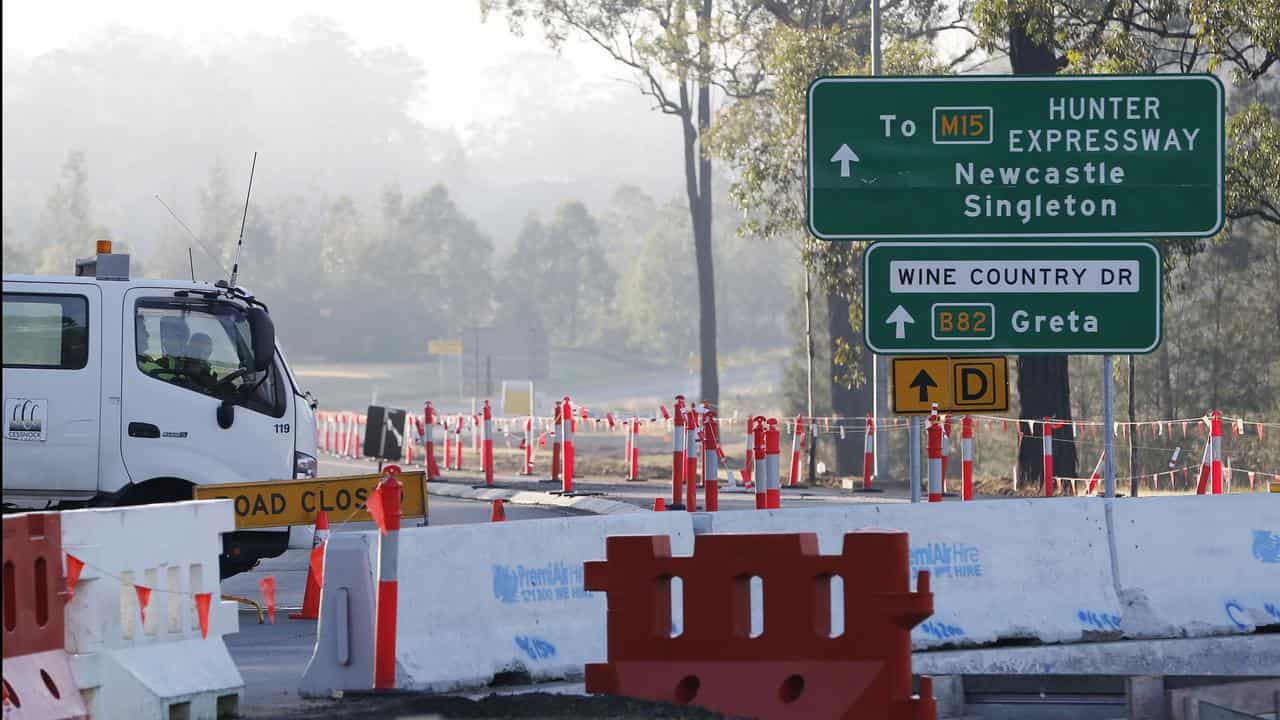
1010, 297
986, 157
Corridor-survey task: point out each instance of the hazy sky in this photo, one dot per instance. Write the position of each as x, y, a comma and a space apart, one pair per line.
447, 35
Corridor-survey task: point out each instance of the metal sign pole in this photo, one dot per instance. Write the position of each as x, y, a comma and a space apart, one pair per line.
1108, 432
915, 458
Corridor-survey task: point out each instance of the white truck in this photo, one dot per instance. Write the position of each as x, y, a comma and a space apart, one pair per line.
126, 392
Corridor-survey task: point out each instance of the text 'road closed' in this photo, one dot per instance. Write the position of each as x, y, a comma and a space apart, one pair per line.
297, 502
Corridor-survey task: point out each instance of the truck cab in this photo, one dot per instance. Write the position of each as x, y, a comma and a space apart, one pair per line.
124, 392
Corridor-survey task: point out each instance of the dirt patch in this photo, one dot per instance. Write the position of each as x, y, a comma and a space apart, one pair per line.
497, 707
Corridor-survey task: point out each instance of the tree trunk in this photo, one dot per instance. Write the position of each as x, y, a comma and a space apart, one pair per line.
846, 401
698, 188
1043, 380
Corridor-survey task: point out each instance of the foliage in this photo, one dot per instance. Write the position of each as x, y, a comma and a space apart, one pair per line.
1241, 37
560, 268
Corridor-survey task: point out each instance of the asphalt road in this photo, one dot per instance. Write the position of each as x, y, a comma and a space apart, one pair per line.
271, 658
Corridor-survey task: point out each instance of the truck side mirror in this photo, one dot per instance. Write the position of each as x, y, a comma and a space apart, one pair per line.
226, 414
263, 337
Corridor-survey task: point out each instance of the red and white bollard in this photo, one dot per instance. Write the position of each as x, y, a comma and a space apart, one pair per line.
566, 453
1046, 441
477, 445
457, 444
759, 469
384, 650
678, 454
773, 463
935, 457
868, 453
528, 446
966, 458
557, 442
486, 441
711, 460
797, 444
429, 441
1215, 450
448, 446
632, 429
749, 463
691, 459
946, 449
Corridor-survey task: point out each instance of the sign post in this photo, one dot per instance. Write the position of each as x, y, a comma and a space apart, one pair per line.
1012, 297
988, 157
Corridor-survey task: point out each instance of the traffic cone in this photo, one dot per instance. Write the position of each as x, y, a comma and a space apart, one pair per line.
659, 504
315, 571
499, 514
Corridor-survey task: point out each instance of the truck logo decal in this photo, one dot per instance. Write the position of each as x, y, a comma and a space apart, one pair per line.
24, 419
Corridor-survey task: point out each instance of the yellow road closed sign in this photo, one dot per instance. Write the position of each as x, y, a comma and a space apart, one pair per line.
444, 347
961, 384
276, 503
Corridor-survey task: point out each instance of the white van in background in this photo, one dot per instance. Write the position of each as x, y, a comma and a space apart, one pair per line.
126, 392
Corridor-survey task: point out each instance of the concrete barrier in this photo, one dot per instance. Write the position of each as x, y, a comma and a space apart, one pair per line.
1198, 566
161, 668
343, 655
1002, 569
476, 601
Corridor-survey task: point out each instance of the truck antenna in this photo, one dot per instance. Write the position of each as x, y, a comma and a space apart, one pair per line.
200, 243
192, 261
235, 266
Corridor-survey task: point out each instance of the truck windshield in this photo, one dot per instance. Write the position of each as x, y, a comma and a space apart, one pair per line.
197, 344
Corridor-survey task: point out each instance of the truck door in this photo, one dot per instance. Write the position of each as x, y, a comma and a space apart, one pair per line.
183, 360
52, 388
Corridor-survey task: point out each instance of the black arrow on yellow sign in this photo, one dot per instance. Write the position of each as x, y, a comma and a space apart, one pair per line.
924, 382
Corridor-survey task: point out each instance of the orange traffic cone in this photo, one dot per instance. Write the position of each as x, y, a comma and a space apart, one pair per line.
499, 514
315, 572
659, 504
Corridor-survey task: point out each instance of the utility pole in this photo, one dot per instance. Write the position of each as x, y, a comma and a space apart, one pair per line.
812, 459
879, 376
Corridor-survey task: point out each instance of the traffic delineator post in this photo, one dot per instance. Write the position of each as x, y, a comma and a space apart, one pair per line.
677, 454
773, 462
528, 447
1215, 450
935, 456
691, 459
566, 452
557, 441
486, 442
384, 652
759, 469
946, 449
966, 458
797, 444
869, 454
429, 441
1046, 442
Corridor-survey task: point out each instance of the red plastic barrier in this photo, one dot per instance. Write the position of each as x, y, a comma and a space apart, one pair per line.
37, 677
793, 668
